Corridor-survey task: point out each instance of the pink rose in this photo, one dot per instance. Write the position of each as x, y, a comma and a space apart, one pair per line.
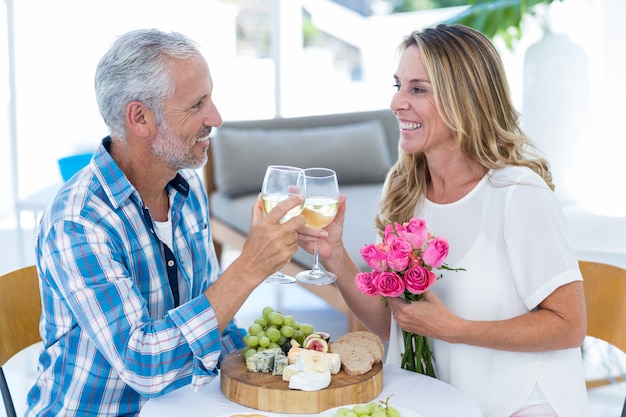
389, 284
365, 283
399, 255
414, 260
436, 252
418, 279
415, 233
391, 232
375, 256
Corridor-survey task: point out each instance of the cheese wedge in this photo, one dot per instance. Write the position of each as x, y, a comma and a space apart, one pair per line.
310, 381
270, 360
310, 372
315, 361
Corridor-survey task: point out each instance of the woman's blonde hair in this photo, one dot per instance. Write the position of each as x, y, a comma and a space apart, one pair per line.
472, 97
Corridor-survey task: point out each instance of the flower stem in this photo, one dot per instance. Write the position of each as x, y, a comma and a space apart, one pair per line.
419, 342
417, 356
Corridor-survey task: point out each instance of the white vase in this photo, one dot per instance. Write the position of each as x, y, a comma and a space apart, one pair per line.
555, 109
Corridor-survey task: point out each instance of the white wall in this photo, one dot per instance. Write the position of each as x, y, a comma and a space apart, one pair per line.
58, 45
573, 89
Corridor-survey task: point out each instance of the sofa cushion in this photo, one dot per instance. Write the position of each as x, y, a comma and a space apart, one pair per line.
357, 152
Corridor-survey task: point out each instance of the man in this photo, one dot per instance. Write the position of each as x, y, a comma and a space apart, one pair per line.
132, 303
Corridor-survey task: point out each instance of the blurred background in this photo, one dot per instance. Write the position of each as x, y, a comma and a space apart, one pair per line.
285, 58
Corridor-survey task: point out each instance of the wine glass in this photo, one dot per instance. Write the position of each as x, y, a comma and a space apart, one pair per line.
320, 208
280, 183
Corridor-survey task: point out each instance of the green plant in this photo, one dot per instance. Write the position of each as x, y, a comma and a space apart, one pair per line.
498, 18
401, 6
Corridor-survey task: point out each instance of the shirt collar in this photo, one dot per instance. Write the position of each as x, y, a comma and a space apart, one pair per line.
115, 183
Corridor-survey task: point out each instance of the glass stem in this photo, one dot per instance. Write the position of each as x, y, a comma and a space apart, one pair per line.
316, 270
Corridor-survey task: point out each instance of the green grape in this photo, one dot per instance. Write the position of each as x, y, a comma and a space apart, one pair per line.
379, 414
266, 311
248, 352
351, 414
273, 345
287, 331
378, 409
341, 412
261, 349
307, 329
250, 340
264, 341
288, 320
273, 334
254, 329
273, 329
261, 321
275, 318
299, 336
371, 407
392, 412
361, 410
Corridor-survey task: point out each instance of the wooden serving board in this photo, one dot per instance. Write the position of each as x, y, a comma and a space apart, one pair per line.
267, 392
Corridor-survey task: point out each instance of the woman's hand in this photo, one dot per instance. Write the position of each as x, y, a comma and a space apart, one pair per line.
426, 317
328, 239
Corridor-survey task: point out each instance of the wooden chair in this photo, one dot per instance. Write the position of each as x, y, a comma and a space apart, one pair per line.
605, 297
20, 310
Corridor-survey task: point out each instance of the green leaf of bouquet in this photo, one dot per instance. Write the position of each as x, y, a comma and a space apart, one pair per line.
447, 268
410, 297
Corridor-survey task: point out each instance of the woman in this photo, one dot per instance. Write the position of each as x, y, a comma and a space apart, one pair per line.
508, 329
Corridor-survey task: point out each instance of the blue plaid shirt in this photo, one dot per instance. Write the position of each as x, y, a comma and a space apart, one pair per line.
112, 335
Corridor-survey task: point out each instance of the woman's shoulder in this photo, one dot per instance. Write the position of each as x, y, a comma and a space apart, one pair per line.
516, 175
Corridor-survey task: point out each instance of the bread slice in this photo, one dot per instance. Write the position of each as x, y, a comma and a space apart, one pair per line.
368, 340
355, 358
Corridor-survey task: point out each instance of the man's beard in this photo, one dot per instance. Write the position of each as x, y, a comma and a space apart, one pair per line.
174, 151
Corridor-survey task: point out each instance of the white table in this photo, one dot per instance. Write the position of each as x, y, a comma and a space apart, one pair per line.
427, 396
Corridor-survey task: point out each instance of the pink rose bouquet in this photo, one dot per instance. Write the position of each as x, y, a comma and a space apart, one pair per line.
402, 266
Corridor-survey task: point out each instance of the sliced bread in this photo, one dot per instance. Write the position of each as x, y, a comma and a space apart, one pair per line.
366, 339
355, 358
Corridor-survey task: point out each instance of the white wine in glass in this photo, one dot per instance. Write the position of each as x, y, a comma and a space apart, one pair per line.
280, 183
320, 208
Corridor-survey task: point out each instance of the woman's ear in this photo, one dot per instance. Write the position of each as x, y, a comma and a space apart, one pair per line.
140, 119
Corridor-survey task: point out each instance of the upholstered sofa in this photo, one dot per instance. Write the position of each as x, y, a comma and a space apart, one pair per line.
360, 147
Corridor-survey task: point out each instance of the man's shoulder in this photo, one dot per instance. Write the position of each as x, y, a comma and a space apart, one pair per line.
77, 197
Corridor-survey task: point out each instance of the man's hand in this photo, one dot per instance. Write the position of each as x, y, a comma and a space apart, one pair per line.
270, 244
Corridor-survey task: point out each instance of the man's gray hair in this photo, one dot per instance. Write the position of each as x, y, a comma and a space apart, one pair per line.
136, 67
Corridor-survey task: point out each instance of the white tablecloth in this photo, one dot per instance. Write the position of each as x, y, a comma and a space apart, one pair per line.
427, 396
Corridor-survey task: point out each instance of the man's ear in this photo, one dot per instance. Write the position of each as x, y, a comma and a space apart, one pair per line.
140, 119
